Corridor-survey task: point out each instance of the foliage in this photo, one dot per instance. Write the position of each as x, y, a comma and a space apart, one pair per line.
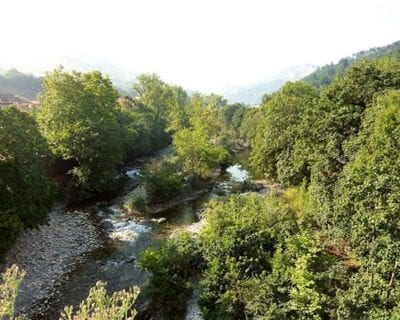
166, 102
99, 306
238, 241
199, 146
247, 129
172, 266
163, 181
278, 147
78, 118
25, 189
9, 285
366, 207
136, 204
300, 201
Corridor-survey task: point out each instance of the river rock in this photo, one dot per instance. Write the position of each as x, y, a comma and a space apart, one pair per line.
49, 253
255, 187
159, 220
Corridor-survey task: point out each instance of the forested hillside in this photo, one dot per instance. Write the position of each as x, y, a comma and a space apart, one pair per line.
325, 75
20, 84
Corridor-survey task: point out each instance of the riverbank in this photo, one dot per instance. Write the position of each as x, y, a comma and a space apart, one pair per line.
49, 254
65, 258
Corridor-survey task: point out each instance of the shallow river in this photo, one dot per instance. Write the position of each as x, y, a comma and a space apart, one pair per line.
76, 249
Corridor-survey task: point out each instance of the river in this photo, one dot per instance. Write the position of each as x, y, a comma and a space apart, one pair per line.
66, 257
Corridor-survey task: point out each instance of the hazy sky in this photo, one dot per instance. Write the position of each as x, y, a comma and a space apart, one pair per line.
202, 44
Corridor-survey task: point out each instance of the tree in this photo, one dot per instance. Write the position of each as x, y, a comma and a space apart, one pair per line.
199, 146
239, 241
78, 118
25, 189
172, 266
366, 206
278, 147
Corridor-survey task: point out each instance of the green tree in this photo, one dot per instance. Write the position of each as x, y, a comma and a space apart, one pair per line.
25, 189
199, 146
166, 102
172, 267
366, 209
278, 147
239, 241
78, 118
163, 181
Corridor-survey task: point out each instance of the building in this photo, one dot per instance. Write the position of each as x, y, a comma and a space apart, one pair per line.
7, 99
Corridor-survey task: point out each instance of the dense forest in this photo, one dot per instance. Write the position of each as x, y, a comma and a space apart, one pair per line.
324, 245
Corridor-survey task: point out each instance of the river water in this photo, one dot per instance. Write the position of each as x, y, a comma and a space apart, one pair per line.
77, 249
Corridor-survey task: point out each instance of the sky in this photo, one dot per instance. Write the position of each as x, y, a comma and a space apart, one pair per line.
202, 45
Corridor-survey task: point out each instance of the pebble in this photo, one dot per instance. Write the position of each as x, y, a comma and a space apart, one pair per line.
48, 254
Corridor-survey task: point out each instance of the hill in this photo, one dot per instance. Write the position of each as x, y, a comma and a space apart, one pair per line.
324, 75
253, 93
20, 84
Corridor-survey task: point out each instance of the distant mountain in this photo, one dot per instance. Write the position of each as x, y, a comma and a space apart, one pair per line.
325, 75
253, 93
20, 84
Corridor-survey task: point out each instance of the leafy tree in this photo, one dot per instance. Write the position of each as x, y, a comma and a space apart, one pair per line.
366, 209
172, 266
247, 130
199, 145
239, 240
140, 131
166, 102
78, 118
163, 181
278, 148
25, 189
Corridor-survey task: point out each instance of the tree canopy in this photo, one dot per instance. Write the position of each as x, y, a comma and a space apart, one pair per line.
78, 118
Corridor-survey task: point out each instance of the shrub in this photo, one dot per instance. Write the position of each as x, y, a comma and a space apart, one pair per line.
9, 285
136, 204
99, 306
172, 266
163, 181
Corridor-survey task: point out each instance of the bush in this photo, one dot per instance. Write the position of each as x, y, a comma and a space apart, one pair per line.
163, 181
238, 241
97, 306
9, 285
136, 204
172, 267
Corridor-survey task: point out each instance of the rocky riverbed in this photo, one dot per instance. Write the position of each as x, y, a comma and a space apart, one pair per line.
49, 254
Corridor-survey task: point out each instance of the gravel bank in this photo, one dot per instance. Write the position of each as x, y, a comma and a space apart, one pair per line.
49, 254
